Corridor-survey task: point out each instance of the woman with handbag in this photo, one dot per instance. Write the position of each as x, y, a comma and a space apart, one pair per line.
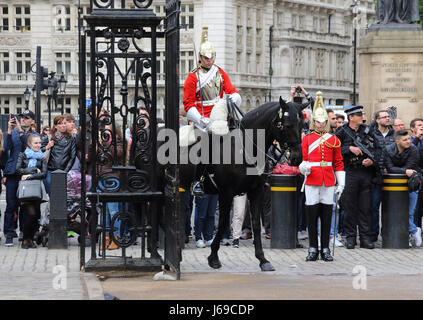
31, 166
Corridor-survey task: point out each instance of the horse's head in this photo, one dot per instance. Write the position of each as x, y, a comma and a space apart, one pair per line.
287, 128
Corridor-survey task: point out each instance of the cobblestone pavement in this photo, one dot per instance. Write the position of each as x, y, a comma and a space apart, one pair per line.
377, 261
29, 274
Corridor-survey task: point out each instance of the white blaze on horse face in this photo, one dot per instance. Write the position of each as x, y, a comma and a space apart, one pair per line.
255, 145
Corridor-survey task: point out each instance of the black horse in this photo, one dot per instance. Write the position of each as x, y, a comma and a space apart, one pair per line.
281, 121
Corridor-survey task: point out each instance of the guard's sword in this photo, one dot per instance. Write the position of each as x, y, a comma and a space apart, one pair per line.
334, 228
199, 82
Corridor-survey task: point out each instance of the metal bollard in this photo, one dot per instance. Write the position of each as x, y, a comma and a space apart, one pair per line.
57, 229
284, 211
395, 204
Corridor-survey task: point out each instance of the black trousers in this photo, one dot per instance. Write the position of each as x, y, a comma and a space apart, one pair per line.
357, 201
324, 212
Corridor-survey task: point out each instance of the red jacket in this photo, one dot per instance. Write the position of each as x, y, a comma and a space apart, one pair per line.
326, 151
191, 96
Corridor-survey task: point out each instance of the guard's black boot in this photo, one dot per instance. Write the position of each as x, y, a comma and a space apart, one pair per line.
366, 243
313, 254
197, 189
325, 254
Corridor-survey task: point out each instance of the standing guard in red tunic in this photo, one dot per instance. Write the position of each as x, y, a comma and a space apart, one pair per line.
323, 168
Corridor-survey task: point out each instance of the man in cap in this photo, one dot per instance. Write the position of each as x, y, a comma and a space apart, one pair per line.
14, 142
204, 86
27, 122
322, 165
360, 171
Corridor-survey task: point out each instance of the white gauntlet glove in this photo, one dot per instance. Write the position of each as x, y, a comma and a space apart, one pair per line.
305, 168
340, 182
236, 98
200, 122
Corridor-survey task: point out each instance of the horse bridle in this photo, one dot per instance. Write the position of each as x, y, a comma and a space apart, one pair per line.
280, 126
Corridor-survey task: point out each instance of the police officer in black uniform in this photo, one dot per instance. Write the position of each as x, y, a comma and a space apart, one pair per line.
360, 168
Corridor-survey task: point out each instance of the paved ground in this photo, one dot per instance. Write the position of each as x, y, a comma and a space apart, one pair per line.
54, 274
355, 274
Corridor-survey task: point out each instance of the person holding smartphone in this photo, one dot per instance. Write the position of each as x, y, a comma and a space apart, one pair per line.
14, 143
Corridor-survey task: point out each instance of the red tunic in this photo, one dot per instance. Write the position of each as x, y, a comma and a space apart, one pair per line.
327, 151
191, 96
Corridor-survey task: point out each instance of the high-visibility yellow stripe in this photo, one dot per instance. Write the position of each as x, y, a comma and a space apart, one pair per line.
181, 190
283, 189
395, 188
395, 180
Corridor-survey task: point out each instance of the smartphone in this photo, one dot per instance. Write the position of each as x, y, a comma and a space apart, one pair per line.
13, 117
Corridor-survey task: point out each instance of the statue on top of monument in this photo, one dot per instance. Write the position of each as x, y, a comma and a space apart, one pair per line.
397, 11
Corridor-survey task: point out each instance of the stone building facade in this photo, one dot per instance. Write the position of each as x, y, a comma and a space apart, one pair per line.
264, 45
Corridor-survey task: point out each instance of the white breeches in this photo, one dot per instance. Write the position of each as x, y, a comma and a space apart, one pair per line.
319, 194
239, 214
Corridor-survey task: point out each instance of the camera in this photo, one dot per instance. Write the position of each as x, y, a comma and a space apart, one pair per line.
298, 90
13, 117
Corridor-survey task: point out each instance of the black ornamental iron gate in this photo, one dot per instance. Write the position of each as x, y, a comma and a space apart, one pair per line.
119, 135
173, 216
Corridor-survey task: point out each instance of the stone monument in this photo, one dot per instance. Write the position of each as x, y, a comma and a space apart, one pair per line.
391, 61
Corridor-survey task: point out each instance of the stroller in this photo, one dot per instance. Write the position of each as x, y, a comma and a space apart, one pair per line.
73, 202
73, 208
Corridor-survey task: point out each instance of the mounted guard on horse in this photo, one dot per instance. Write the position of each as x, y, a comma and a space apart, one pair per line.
203, 91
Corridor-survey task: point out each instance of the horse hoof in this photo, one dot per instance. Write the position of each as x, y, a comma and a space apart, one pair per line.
267, 266
214, 263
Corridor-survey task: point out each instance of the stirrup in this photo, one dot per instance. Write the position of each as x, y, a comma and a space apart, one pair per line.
197, 189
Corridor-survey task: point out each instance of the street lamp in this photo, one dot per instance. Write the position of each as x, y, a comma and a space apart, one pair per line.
50, 91
27, 95
355, 11
62, 89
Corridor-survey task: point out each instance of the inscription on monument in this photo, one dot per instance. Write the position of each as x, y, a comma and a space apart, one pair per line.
398, 77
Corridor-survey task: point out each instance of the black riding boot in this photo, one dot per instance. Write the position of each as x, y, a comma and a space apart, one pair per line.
325, 220
197, 188
312, 215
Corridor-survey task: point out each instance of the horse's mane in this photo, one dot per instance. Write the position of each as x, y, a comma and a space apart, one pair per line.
265, 111
250, 120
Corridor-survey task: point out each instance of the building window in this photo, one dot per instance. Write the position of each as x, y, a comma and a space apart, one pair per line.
187, 16
6, 110
4, 62
4, 18
161, 63
84, 11
88, 64
302, 22
67, 110
23, 18
23, 62
187, 61
315, 24
62, 18
18, 100
323, 25
238, 62
294, 21
63, 62
339, 102
18, 110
